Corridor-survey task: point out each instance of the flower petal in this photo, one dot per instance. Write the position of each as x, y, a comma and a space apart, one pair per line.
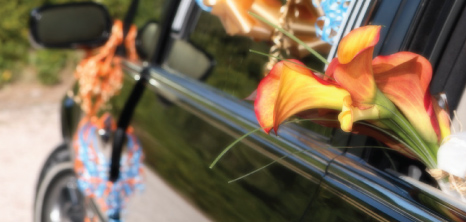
350, 114
424, 73
429, 107
266, 95
346, 115
353, 69
357, 78
356, 41
404, 78
300, 90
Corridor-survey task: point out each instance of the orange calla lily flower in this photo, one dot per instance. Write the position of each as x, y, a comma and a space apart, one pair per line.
358, 86
404, 78
350, 114
390, 92
353, 67
353, 71
299, 89
289, 89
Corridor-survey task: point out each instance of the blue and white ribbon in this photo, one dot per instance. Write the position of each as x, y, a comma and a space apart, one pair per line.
92, 169
206, 8
327, 26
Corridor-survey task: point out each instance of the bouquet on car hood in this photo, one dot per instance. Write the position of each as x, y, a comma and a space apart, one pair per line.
386, 97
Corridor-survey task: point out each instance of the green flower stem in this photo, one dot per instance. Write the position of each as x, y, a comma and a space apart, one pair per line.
429, 149
394, 119
426, 152
412, 145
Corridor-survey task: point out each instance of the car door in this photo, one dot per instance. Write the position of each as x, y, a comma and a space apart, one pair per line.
184, 123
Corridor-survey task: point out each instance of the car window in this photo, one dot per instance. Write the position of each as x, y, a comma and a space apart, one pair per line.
148, 10
235, 69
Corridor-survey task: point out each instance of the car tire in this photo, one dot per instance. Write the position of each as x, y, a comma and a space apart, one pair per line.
60, 154
57, 195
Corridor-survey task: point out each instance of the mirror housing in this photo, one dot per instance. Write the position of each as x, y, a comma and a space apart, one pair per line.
70, 25
183, 57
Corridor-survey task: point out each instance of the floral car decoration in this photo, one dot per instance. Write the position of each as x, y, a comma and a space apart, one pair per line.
388, 93
386, 97
100, 77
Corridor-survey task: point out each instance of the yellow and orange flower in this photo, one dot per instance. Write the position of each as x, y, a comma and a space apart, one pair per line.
290, 88
404, 78
353, 67
360, 87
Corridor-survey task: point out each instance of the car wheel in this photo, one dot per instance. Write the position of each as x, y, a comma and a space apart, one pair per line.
57, 196
60, 154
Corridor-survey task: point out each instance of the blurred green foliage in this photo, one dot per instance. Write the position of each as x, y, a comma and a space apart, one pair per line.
237, 71
14, 44
49, 64
16, 52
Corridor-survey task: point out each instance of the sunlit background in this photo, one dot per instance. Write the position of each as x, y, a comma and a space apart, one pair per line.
32, 83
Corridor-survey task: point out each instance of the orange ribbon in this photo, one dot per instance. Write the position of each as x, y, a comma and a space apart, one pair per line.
235, 17
99, 74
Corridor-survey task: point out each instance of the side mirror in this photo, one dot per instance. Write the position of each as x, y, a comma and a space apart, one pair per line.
187, 59
71, 25
183, 57
146, 39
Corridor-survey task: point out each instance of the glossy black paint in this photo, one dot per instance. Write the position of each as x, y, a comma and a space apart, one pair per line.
367, 193
181, 141
133, 99
382, 195
126, 115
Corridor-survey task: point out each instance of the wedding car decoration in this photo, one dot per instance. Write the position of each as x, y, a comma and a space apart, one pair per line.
315, 22
332, 14
99, 78
388, 93
386, 97
91, 165
99, 74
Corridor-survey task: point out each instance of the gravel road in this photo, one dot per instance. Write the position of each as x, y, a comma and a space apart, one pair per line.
29, 131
